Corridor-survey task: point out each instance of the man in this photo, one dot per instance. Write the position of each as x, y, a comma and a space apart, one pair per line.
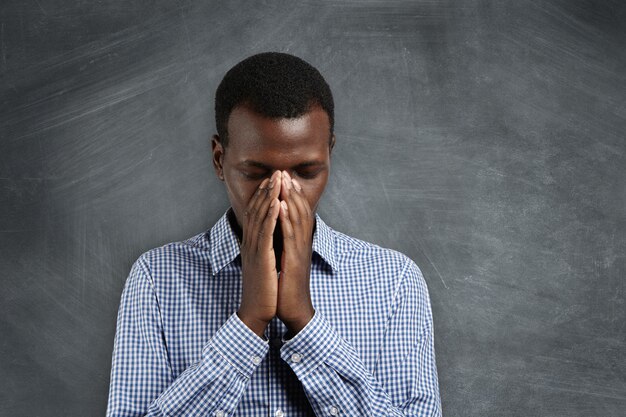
272, 312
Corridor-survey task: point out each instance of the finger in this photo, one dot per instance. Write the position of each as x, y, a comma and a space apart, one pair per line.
275, 184
298, 211
292, 189
263, 191
251, 209
286, 186
264, 225
266, 236
272, 191
300, 201
295, 218
285, 224
254, 208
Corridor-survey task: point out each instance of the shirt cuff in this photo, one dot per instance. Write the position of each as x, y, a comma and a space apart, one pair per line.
239, 345
311, 346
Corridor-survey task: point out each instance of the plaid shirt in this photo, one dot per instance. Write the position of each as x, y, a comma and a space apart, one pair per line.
181, 350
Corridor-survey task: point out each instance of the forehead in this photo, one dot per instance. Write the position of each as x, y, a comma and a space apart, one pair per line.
253, 135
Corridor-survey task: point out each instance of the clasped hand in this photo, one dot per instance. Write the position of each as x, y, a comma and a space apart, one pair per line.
265, 294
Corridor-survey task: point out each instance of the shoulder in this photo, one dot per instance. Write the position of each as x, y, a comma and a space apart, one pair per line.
391, 276
353, 252
173, 257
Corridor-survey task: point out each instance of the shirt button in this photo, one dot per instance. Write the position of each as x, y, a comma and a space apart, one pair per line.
279, 413
296, 357
334, 411
219, 413
256, 360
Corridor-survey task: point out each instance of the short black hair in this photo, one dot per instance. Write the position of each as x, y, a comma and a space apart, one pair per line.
275, 85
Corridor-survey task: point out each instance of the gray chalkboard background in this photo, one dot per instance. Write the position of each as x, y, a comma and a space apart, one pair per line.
486, 140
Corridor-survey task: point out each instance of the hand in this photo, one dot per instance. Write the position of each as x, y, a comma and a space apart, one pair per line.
295, 308
258, 262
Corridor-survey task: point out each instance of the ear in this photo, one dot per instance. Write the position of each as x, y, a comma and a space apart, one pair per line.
218, 156
332, 143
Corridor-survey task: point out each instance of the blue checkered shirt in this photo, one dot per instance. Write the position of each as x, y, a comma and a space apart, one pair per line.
181, 350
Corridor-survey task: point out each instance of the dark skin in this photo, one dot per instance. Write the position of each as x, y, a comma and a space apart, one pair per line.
275, 171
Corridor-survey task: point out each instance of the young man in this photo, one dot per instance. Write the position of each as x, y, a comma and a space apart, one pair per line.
271, 312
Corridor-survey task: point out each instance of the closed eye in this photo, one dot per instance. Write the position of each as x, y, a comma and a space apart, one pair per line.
308, 175
252, 176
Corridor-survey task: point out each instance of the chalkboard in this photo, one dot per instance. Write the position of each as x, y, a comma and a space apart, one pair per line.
485, 140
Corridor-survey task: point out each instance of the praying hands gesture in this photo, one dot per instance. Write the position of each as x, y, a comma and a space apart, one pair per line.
265, 293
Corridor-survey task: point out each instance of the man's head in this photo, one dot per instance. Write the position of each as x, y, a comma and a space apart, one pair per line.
273, 84
273, 111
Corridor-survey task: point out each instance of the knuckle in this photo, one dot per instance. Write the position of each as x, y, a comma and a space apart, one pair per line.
254, 214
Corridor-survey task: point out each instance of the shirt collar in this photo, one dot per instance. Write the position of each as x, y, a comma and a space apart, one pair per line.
324, 243
224, 245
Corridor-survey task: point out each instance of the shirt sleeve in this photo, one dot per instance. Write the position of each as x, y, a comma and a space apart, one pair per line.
142, 383
404, 381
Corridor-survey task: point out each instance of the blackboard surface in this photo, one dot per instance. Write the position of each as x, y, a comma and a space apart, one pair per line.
486, 140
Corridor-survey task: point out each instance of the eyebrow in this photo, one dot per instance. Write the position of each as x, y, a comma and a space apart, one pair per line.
261, 165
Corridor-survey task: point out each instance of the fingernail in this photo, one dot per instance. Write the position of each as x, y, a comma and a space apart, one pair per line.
296, 185
283, 205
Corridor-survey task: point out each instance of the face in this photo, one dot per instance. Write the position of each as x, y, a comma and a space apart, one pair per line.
258, 146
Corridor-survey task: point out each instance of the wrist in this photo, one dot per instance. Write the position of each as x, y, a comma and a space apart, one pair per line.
295, 326
256, 325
